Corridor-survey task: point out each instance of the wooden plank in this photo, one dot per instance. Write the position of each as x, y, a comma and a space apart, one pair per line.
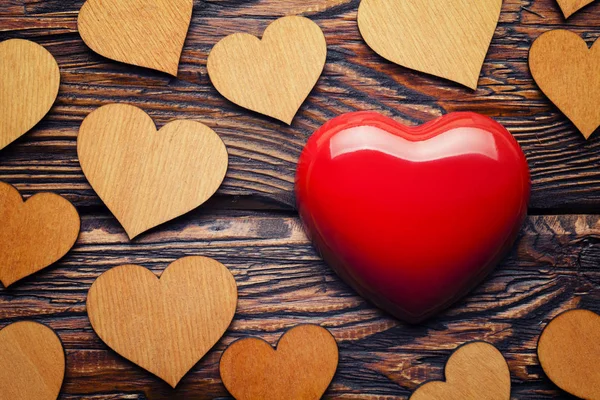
282, 282
263, 151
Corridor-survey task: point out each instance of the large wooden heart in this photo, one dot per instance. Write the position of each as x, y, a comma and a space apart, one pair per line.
140, 32
272, 76
475, 371
29, 81
567, 71
34, 233
165, 326
147, 177
445, 38
301, 368
412, 217
570, 7
32, 362
569, 352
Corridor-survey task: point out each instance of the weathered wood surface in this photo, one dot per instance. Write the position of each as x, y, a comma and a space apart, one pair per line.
251, 225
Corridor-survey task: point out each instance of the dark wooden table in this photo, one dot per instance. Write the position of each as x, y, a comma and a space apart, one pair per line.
251, 225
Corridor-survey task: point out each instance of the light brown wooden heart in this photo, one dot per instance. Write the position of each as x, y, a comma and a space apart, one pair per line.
475, 371
272, 76
445, 38
569, 352
147, 177
165, 326
29, 81
140, 32
301, 368
32, 362
570, 7
567, 71
33, 234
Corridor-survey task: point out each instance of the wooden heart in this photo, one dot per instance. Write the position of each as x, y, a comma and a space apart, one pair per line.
475, 371
177, 318
140, 32
301, 368
147, 177
567, 71
33, 234
29, 81
445, 38
570, 7
569, 352
272, 76
32, 362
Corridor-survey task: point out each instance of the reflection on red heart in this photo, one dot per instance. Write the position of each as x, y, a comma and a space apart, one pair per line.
412, 218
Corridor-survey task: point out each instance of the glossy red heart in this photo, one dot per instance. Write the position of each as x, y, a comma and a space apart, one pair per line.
412, 217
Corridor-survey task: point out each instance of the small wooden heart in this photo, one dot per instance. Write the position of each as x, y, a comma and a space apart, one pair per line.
569, 352
272, 76
570, 7
32, 362
475, 371
567, 71
445, 38
33, 234
165, 326
29, 81
147, 177
140, 32
302, 367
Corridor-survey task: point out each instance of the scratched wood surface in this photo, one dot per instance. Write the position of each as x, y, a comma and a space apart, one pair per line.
251, 225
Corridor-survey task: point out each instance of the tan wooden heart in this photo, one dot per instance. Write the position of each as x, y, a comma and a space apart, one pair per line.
301, 368
569, 352
147, 177
32, 362
445, 38
29, 81
165, 326
475, 371
140, 32
570, 7
567, 71
272, 76
33, 234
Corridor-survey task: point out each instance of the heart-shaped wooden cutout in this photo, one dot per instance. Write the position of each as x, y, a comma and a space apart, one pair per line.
32, 362
570, 7
272, 76
567, 71
445, 38
475, 371
177, 319
147, 177
302, 367
140, 32
33, 234
29, 81
569, 352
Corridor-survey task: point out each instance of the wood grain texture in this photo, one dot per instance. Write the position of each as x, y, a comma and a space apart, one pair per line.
139, 32
568, 72
173, 170
251, 227
445, 38
300, 368
569, 352
570, 7
29, 80
272, 75
33, 234
475, 371
163, 325
32, 362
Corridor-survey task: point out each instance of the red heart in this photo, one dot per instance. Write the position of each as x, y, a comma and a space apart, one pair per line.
412, 218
